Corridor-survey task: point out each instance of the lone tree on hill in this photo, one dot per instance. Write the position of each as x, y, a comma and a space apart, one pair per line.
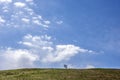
65, 66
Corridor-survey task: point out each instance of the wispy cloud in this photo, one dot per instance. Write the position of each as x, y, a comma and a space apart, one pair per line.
19, 4
5, 1
17, 12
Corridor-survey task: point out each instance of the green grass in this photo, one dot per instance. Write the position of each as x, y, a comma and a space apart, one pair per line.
60, 74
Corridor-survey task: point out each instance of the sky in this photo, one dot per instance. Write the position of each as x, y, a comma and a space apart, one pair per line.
51, 33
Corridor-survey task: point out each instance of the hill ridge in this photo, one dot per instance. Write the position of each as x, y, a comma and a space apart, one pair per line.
60, 74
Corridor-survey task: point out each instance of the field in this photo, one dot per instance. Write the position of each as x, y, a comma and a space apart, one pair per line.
60, 74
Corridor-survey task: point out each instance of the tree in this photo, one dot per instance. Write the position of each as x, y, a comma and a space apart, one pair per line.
65, 66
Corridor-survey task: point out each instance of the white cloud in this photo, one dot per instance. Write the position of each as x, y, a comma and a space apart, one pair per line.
39, 49
18, 13
25, 20
59, 22
36, 41
51, 52
2, 20
18, 58
37, 22
39, 17
36, 48
29, 0
62, 52
19, 4
89, 66
47, 22
72, 66
5, 1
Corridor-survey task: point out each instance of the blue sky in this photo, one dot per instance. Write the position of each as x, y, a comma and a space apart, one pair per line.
51, 33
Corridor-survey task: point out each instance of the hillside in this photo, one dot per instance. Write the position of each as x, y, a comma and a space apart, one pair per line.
60, 74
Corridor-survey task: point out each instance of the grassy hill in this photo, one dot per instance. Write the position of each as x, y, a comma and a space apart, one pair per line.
60, 74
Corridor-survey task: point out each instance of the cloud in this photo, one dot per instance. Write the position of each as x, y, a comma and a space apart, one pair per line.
5, 1
21, 15
59, 22
2, 20
32, 48
25, 20
61, 53
89, 66
29, 0
47, 22
50, 52
19, 4
36, 41
39, 49
18, 58
37, 22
